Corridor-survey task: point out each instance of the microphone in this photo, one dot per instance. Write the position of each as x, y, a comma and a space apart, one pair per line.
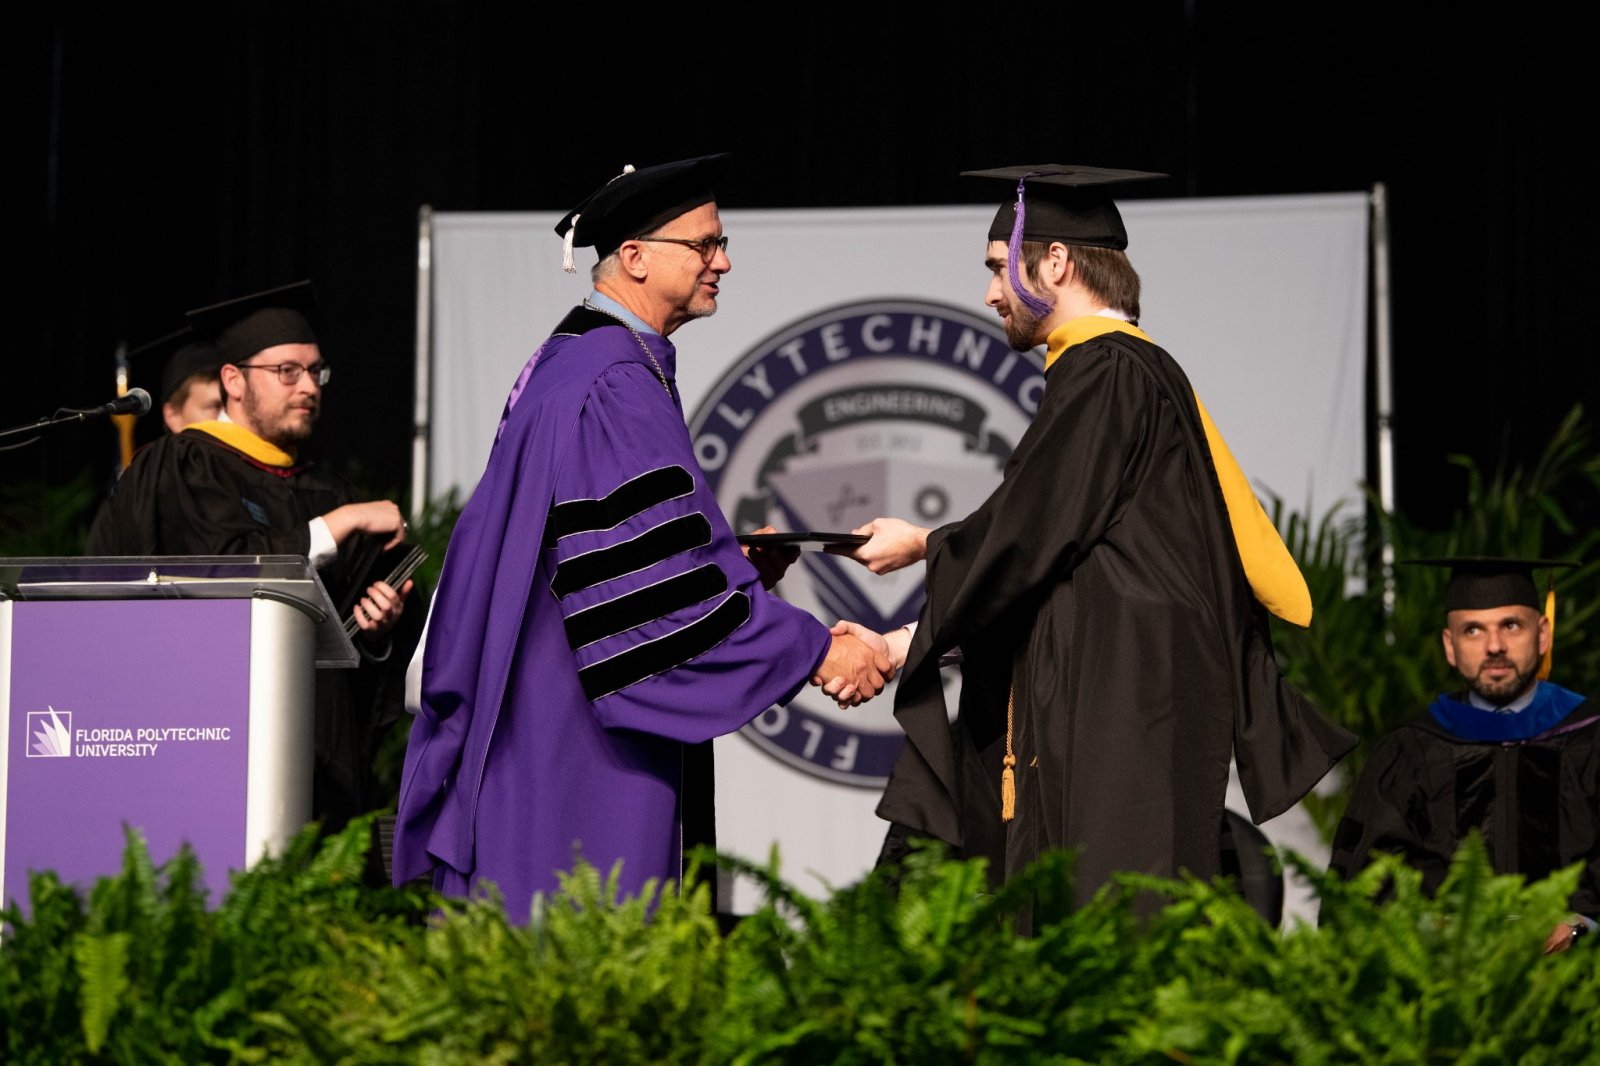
135, 402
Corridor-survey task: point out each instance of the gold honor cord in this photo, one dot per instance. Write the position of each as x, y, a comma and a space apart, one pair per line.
1008, 776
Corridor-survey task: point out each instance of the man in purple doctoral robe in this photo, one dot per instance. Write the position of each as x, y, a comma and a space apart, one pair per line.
596, 622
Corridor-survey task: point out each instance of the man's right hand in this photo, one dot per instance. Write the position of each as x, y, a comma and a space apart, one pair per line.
894, 543
865, 669
381, 607
374, 516
891, 645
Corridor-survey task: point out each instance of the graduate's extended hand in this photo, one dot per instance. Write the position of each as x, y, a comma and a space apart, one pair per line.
891, 646
374, 516
863, 667
895, 543
770, 561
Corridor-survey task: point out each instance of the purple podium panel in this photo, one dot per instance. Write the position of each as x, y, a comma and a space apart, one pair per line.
126, 711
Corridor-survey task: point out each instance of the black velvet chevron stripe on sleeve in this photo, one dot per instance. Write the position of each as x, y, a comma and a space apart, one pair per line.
658, 656
628, 499
647, 604
650, 547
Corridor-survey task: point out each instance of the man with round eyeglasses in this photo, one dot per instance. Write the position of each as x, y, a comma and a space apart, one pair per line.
238, 485
596, 624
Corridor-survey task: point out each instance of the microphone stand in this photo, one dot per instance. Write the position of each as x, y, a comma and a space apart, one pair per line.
61, 416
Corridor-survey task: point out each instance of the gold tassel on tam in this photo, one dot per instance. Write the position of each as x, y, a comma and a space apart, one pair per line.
1008, 776
1550, 617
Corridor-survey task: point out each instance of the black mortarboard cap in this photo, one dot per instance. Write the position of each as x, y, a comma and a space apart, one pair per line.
1063, 202
242, 327
180, 355
639, 200
1479, 582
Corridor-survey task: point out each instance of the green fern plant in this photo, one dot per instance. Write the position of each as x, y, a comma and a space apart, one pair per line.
39, 520
925, 964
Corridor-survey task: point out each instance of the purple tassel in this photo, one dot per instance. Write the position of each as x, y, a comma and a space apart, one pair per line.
1038, 306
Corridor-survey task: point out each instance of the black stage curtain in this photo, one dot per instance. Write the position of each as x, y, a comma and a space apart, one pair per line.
164, 156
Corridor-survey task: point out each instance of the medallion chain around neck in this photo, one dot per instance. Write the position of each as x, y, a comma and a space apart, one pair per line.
648, 354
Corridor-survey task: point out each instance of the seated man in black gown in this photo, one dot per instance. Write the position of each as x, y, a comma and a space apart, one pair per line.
237, 485
1512, 756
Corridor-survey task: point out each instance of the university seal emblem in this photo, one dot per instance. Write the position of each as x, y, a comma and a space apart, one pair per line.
885, 407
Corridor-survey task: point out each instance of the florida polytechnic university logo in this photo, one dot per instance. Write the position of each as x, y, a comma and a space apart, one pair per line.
49, 734
887, 407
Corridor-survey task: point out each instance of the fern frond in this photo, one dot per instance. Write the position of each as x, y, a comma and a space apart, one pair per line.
102, 961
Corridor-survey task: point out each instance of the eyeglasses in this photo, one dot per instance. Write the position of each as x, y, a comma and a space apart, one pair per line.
289, 373
708, 247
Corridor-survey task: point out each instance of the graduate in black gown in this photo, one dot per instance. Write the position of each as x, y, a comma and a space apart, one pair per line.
1512, 756
238, 485
190, 391
1109, 600
191, 382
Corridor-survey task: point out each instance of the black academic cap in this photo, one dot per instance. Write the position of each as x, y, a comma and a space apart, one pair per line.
1063, 202
242, 327
180, 355
639, 200
1479, 582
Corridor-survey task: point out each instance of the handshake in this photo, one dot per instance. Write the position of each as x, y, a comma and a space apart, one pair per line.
859, 662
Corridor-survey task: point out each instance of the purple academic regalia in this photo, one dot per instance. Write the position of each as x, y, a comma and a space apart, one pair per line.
595, 617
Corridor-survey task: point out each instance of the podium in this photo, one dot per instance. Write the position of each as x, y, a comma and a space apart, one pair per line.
173, 694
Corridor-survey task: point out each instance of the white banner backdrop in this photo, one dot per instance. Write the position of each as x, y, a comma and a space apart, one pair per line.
1263, 301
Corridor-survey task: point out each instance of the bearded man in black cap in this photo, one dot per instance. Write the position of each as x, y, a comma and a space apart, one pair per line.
1512, 756
191, 391
1109, 600
237, 486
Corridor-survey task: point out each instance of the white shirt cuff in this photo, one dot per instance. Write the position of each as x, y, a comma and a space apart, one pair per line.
323, 547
